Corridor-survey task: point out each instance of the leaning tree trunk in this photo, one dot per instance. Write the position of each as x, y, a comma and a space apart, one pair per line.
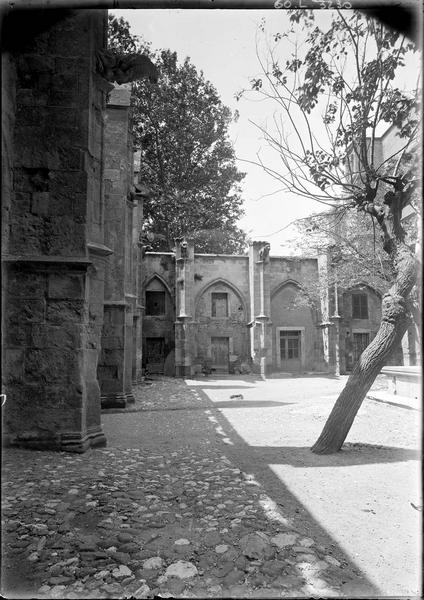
394, 322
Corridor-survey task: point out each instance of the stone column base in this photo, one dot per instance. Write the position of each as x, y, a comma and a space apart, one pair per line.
94, 438
183, 370
117, 400
61, 442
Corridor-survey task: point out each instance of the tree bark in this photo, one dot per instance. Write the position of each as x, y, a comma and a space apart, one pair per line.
394, 323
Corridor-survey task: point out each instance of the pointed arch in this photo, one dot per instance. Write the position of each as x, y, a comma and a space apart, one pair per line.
283, 284
312, 302
362, 285
220, 280
160, 279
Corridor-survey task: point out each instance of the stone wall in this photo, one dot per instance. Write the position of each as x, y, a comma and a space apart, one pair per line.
258, 306
349, 325
221, 274
8, 125
54, 253
291, 279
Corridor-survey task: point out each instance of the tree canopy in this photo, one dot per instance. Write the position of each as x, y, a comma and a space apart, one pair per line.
187, 159
332, 92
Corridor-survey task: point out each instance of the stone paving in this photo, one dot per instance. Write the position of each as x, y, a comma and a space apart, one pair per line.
141, 522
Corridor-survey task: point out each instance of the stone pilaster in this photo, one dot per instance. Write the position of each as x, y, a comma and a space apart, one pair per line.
54, 285
184, 334
325, 323
116, 363
260, 309
137, 249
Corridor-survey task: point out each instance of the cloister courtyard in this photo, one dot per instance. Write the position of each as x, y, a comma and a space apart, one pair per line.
207, 488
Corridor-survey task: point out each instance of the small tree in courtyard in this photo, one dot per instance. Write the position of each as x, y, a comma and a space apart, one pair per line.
187, 159
334, 92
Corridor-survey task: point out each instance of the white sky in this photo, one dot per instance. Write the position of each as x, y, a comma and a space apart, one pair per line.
221, 43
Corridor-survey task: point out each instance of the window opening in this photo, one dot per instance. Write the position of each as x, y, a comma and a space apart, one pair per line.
155, 303
359, 306
219, 304
290, 344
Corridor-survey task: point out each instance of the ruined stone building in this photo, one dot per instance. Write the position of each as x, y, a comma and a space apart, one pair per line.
232, 314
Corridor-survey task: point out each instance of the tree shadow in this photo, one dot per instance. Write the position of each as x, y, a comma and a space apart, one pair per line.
351, 454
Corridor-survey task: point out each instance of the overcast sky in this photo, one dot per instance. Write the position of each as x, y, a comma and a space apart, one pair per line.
221, 43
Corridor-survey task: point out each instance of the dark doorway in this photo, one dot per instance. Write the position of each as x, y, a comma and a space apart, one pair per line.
220, 350
155, 354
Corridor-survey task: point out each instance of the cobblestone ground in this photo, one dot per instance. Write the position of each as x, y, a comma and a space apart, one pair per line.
145, 518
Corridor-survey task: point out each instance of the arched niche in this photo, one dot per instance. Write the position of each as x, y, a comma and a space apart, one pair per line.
294, 332
158, 325
221, 331
236, 306
156, 282
157, 298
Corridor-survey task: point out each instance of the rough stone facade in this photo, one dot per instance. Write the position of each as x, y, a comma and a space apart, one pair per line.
54, 252
239, 313
120, 359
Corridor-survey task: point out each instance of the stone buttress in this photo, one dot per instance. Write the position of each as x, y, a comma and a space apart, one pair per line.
54, 252
260, 310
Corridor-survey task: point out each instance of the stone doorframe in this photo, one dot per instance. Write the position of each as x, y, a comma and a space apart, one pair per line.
302, 344
220, 334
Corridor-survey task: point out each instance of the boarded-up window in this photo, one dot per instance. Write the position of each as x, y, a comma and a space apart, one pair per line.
219, 304
155, 303
359, 306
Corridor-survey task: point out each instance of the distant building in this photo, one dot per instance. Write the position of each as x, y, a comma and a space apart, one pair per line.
232, 314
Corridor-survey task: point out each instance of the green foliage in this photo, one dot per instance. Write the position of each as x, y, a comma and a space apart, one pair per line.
187, 159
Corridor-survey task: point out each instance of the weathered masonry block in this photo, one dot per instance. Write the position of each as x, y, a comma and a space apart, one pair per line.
54, 252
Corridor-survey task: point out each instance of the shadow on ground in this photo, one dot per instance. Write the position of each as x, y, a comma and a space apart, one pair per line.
352, 454
256, 461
